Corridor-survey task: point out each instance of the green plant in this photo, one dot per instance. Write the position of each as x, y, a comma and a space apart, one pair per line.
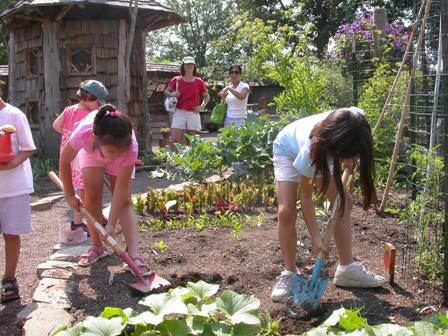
139, 205
247, 151
426, 214
41, 167
191, 310
161, 246
348, 322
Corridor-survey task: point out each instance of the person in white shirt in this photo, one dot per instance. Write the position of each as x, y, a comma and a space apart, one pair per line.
16, 185
235, 95
308, 155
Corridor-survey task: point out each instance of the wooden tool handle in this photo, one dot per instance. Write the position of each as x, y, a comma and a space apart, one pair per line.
55, 178
346, 180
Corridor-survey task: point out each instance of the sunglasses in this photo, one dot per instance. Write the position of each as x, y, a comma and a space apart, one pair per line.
234, 72
87, 96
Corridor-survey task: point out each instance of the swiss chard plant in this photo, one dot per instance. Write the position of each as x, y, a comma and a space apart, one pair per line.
192, 310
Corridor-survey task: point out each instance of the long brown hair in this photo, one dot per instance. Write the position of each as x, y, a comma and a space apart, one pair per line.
344, 134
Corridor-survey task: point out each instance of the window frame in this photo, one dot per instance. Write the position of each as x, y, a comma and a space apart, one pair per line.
70, 49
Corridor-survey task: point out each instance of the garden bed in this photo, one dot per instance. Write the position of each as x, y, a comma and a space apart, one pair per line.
250, 265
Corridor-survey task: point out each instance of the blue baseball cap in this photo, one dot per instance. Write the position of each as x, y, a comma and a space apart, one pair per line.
97, 89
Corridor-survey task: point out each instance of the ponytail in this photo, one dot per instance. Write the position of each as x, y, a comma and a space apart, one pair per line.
111, 127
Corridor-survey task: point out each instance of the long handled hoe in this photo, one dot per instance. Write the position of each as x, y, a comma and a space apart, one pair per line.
143, 285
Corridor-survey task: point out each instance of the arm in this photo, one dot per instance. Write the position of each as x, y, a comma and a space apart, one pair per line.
121, 196
20, 157
205, 100
65, 173
59, 123
309, 212
239, 95
171, 91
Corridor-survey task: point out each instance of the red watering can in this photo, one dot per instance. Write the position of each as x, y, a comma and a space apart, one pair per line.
6, 153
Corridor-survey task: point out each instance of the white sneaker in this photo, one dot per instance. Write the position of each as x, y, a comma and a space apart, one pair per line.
356, 275
283, 288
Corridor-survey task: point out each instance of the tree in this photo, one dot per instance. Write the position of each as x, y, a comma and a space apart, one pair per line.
207, 21
325, 16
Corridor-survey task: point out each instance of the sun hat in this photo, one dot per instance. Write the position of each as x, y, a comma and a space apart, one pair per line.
97, 89
188, 60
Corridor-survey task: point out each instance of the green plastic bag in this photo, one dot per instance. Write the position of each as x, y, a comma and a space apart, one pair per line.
219, 114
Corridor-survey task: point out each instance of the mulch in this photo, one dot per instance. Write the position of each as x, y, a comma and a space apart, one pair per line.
249, 265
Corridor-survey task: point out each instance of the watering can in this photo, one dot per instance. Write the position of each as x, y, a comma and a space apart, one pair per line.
6, 152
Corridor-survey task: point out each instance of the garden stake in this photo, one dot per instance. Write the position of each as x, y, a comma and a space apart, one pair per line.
153, 281
390, 253
309, 292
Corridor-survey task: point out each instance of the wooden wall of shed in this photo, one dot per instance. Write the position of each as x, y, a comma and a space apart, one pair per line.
103, 35
23, 89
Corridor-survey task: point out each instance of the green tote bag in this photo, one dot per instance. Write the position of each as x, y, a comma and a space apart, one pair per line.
218, 114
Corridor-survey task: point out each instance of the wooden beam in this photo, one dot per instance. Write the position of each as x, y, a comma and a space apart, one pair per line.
29, 18
121, 60
63, 11
12, 68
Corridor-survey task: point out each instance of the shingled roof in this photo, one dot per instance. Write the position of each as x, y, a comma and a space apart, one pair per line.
154, 15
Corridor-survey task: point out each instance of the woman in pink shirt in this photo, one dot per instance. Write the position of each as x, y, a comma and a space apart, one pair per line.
188, 88
92, 95
106, 144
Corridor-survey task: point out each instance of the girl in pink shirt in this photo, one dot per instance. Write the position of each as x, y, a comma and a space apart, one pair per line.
92, 95
106, 144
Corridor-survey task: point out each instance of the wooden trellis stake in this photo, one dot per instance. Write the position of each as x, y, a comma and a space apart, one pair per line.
405, 111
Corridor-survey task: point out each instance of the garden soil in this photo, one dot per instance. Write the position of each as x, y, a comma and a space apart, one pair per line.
249, 265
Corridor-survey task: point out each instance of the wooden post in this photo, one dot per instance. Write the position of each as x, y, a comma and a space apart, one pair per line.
146, 117
355, 73
405, 110
122, 69
12, 67
444, 89
379, 28
52, 71
390, 253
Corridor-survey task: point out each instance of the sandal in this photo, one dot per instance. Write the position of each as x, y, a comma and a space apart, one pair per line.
83, 226
138, 261
9, 290
94, 254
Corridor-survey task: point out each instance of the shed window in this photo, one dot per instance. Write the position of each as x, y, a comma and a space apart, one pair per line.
32, 65
81, 60
32, 113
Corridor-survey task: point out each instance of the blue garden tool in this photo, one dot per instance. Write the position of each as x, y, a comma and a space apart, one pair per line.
306, 292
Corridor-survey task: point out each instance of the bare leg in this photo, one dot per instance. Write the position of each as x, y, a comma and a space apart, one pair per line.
93, 195
77, 216
343, 227
12, 252
287, 215
128, 222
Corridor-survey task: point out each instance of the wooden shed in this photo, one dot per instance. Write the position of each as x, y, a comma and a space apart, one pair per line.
55, 45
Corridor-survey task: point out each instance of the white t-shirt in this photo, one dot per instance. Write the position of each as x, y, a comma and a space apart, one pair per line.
17, 181
294, 141
237, 108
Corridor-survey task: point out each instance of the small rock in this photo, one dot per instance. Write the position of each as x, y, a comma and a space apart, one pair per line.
43, 319
56, 274
64, 265
46, 203
71, 253
54, 291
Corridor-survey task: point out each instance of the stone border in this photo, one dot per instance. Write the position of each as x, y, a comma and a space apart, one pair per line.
48, 311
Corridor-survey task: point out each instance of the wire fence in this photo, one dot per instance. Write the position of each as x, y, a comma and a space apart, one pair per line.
419, 103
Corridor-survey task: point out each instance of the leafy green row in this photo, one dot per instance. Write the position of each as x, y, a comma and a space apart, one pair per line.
190, 310
344, 322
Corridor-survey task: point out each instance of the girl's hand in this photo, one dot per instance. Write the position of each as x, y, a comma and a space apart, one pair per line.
110, 229
175, 94
318, 245
75, 202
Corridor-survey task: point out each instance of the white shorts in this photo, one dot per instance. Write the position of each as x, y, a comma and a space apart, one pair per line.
284, 170
15, 215
186, 120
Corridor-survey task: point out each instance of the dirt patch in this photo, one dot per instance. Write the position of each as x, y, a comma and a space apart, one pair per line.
250, 266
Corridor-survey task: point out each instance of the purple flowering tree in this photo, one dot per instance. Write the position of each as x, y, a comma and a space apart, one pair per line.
361, 30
